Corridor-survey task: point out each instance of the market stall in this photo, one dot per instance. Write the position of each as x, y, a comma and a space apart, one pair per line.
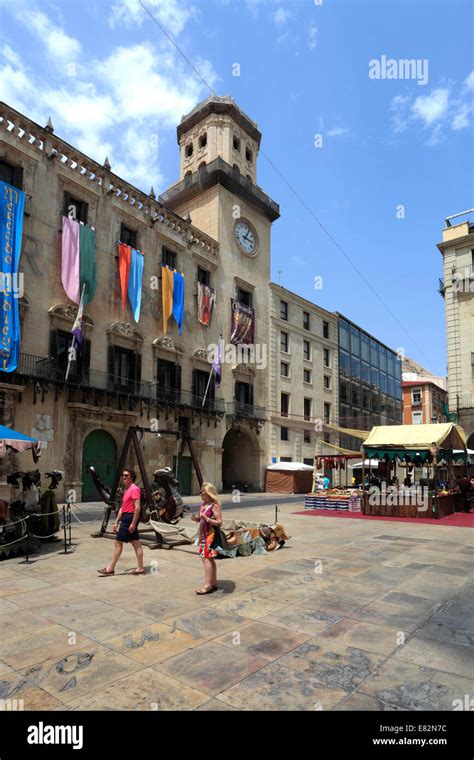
288, 477
432, 446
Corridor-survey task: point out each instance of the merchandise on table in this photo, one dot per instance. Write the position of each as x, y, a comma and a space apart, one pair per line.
337, 500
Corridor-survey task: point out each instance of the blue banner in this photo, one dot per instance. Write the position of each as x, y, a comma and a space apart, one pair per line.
12, 203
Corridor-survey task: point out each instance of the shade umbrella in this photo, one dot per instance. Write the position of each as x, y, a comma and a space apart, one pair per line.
12, 439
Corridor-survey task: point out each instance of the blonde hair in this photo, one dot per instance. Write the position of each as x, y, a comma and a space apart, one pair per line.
211, 491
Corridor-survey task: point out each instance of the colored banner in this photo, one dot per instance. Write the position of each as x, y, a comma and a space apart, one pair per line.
135, 281
12, 204
241, 323
78, 266
206, 301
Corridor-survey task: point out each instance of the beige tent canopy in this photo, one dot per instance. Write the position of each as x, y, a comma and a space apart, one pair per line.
417, 437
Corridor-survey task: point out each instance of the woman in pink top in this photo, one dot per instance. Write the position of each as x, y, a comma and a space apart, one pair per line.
126, 525
208, 517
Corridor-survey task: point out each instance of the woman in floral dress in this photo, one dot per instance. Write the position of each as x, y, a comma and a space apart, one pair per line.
208, 517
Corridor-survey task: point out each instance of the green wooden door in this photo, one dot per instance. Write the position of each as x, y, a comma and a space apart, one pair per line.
101, 452
184, 475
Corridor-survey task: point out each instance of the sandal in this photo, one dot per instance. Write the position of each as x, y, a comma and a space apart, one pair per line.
205, 590
104, 571
136, 572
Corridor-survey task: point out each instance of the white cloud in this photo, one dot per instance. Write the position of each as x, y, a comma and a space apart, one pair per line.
461, 118
115, 106
338, 131
171, 13
431, 108
281, 16
60, 46
438, 112
312, 33
469, 81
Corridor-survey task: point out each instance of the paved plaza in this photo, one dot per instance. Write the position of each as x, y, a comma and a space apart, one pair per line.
350, 615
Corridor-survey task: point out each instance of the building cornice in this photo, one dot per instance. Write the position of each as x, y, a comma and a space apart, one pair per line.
219, 172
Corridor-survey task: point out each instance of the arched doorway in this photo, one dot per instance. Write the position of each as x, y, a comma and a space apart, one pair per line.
100, 450
240, 461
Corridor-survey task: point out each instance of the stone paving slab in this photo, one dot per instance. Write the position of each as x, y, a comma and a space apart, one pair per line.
345, 617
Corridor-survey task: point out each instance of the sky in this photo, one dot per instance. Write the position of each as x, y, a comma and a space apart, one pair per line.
365, 156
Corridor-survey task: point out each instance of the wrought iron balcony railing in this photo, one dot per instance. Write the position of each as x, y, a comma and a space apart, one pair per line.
49, 370
465, 402
250, 411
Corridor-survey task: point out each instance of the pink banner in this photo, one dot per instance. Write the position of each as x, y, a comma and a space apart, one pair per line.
70, 259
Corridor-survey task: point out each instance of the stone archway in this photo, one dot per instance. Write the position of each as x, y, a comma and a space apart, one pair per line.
240, 461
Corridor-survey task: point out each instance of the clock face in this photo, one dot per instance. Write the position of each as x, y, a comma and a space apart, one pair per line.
246, 237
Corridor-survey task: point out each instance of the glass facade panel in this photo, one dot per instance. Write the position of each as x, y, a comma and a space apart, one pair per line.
344, 391
383, 359
391, 365
374, 353
365, 372
383, 382
356, 400
374, 377
344, 364
391, 386
355, 341
365, 347
366, 398
344, 335
355, 366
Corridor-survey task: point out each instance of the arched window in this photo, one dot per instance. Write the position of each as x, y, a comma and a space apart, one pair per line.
248, 155
188, 151
188, 173
202, 165
203, 140
236, 144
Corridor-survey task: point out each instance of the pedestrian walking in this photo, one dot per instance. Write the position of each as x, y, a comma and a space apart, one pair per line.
126, 525
209, 518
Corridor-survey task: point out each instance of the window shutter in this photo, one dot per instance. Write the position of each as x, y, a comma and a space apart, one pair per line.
177, 377
18, 177
138, 367
250, 387
53, 344
110, 366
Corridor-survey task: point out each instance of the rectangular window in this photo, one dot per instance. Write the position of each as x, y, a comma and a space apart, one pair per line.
284, 369
345, 390
244, 297
285, 404
306, 322
75, 208
12, 175
60, 343
356, 395
284, 310
374, 377
284, 434
374, 354
204, 276
326, 357
327, 437
325, 329
383, 359
168, 381
169, 258
286, 459
128, 236
124, 369
307, 437
327, 413
365, 372
327, 382
200, 380
366, 398
416, 418
355, 341
244, 395
306, 375
309, 461
284, 342
307, 350
307, 408
383, 381
355, 366
416, 395
364, 347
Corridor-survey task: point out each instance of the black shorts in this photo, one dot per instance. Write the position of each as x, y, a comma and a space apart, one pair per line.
123, 533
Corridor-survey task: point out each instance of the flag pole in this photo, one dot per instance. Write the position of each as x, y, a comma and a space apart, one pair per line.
207, 387
74, 337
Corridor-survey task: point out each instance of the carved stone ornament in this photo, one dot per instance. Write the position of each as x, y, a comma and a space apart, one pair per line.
201, 353
164, 342
127, 331
68, 312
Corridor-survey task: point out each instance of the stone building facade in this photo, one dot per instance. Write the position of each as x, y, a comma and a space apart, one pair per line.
85, 420
303, 378
457, 289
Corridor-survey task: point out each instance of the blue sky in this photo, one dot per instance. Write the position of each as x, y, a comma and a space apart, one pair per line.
114, 85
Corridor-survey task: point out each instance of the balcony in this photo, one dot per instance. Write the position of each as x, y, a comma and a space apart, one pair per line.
465, 402
245, 411
46, 370
441, 288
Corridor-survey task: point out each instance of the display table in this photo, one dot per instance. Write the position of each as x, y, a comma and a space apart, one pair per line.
333, 501
447, 504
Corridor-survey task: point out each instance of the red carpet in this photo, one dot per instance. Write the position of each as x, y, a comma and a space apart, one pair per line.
457, 520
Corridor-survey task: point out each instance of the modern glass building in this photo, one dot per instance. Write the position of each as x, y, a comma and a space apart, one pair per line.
370, 389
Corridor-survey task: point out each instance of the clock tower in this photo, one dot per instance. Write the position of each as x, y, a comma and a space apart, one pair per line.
218, 192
